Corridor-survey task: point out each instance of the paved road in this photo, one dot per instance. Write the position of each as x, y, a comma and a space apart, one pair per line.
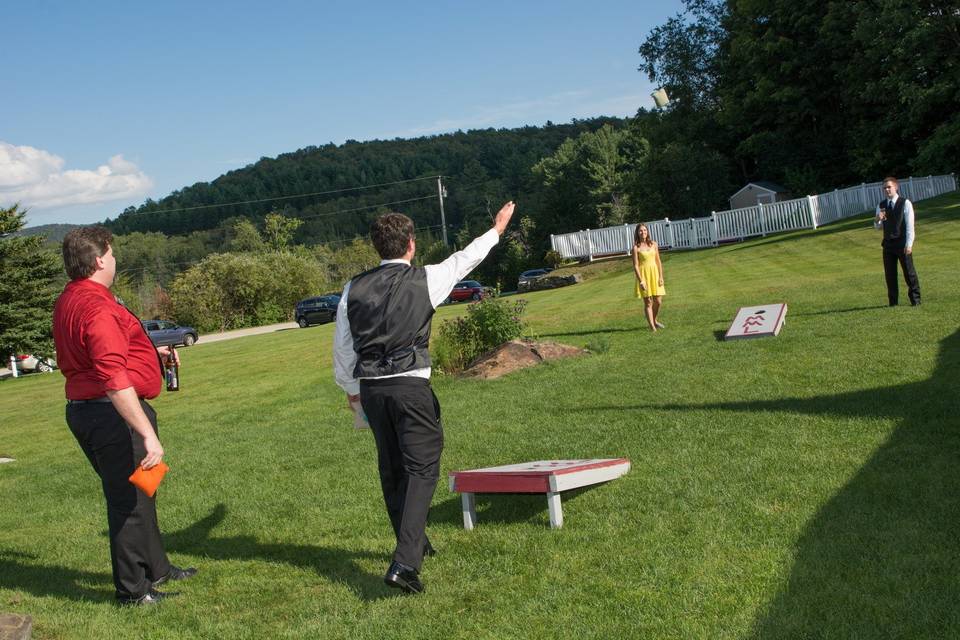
216, 337
249, 331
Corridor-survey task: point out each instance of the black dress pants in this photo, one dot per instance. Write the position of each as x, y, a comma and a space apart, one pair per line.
890, 260
114, 450
405, 418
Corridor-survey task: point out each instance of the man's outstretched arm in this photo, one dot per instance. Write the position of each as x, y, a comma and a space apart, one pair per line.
442, 277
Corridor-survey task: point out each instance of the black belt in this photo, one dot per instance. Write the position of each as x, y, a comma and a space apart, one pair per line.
90, 400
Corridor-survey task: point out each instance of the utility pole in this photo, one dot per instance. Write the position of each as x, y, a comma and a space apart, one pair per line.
441, 193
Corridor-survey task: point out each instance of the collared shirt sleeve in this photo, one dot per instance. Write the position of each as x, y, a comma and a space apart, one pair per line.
344, 357
442, 277
108, 347
908, 222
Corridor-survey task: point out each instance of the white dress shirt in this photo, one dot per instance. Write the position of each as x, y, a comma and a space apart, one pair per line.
441, 278
907, 218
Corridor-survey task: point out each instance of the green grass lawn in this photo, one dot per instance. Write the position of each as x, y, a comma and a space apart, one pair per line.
804, 486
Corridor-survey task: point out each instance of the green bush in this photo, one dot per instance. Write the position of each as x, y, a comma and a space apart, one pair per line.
553, 259
487, 324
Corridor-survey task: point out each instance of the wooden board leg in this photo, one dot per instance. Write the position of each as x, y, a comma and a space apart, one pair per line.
556, 512
469, 510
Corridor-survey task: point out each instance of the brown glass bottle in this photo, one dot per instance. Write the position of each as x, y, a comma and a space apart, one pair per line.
171, 371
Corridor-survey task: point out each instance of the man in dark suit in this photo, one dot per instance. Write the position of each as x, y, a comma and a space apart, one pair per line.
112, 368
895, 217
381, 359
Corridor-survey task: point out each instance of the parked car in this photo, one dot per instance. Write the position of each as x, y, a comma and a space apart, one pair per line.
27, 363
166, 333
316, 310
529, 276
468, 290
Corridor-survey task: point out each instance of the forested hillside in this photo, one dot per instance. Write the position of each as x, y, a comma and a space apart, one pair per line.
480, 169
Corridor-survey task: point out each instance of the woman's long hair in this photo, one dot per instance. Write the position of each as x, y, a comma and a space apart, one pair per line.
638, 240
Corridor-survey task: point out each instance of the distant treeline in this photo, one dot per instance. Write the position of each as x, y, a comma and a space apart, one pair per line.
481, 169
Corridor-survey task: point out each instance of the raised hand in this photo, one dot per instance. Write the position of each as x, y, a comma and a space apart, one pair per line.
503, 217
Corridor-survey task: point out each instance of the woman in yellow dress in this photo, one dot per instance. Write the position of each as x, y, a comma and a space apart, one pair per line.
649, 271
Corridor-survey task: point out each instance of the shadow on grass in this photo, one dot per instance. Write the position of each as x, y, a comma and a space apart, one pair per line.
829, 312
881, 559
19, 573
335, 564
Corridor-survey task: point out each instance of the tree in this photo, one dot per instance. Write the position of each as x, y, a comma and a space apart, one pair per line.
684, 55
233, 290
29, 284
680, 180
278, 230
246, 238
586, 177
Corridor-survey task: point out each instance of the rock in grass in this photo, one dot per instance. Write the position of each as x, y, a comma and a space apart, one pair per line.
517, 354
14, 626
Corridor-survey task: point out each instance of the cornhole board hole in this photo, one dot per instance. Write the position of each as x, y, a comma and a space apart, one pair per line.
758, 322
543, 476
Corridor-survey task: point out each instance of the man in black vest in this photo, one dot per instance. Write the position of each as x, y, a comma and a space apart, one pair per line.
895, 217
380, 358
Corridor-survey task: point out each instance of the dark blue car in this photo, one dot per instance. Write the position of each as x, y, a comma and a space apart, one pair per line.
166, 333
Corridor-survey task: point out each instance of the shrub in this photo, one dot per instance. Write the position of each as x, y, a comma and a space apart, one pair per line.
553, 259
487, 324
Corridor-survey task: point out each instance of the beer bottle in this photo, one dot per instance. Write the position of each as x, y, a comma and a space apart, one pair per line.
172, 371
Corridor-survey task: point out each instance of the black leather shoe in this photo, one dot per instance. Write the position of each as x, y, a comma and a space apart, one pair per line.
176, 573
149, 598
400, 576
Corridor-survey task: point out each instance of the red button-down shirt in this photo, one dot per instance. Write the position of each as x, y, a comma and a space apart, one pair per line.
101, 345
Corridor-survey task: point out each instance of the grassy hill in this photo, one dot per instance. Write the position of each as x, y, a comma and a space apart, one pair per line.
797, 487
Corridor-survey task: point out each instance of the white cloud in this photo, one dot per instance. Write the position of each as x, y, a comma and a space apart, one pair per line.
36, 179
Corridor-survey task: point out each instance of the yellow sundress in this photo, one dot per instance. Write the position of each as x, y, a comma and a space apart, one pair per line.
651, 274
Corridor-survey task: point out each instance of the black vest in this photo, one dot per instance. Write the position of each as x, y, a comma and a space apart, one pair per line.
894, 227
389, 310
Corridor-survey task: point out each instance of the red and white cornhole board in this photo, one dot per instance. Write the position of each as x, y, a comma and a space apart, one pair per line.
543, 476
757, 322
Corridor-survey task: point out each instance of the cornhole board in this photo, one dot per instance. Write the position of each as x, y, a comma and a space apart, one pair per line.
543, 476
758, 321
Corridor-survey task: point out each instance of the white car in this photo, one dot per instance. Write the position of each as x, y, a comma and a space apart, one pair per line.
27, 363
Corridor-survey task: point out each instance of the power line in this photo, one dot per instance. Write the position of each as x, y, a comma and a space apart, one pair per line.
302, 195
372, 206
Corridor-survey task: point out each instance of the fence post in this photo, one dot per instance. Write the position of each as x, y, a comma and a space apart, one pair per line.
626, 233
589, 245
763, 227
813, 214
673, 242
713, 228
863, 198
553, 245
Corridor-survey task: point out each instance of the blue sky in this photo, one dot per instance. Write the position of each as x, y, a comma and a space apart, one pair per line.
109, 103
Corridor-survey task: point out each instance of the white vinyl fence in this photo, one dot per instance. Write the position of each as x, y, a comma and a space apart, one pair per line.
808, 212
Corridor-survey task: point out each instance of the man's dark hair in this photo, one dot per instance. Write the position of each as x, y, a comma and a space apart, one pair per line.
391, 234
82, 247
891, 179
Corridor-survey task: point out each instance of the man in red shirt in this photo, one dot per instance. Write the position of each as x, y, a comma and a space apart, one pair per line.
111, 367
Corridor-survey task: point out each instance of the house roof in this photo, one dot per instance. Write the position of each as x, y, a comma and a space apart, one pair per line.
765, 185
